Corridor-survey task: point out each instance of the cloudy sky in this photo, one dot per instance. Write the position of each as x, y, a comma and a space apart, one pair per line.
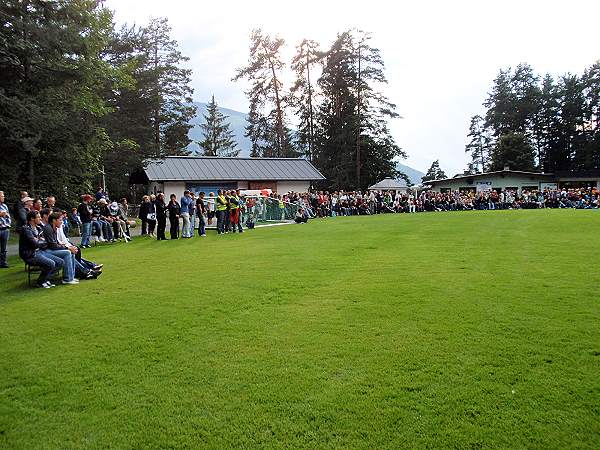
440, 56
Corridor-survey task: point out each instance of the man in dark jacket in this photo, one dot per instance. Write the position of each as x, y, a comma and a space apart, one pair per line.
32, 250
85, 215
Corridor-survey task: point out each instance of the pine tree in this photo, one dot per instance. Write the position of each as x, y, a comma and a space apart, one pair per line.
218, 137
354, 148
434, 172
303, 97
267, 127
479, 145
152, 111
515, 151
168, 89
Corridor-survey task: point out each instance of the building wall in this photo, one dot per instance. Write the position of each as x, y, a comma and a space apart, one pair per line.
177, 187
283, 187
508, 181
173, 187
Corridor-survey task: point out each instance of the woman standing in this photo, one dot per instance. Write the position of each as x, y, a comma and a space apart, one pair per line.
174, 213
143, 215
161, 216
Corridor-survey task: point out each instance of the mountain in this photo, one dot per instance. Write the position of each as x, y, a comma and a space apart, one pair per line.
413, 174
236, 119
238, 124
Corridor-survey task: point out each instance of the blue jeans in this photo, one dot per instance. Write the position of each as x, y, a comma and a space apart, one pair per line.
50, 265
201, 225
86, 233
68, 262
3, 242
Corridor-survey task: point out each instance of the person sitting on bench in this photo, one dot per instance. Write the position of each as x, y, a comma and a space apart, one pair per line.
32, 247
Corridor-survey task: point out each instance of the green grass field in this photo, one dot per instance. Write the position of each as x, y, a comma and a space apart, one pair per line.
461, 330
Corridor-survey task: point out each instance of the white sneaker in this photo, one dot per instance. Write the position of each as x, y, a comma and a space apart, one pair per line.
71, 282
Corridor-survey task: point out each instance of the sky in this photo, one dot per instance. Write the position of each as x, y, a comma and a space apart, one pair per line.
440, 56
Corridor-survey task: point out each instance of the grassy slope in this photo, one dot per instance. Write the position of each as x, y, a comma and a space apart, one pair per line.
457, 329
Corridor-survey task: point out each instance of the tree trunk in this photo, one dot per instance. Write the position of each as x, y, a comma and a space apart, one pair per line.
358, 124
310, 110
280, 139
157, 106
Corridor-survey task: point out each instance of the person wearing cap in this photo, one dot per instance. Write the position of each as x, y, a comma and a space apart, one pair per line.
4, 231
22, 207
85, 215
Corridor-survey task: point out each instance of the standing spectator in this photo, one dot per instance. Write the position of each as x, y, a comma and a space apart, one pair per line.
192, 214
186, 202
210, 208
143, 214
124, 216
221, 207
4, 231
161, 216
85, 215
174, 213
201, 211
37, 205
152, 215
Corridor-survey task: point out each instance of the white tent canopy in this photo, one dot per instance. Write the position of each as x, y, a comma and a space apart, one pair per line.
389, 184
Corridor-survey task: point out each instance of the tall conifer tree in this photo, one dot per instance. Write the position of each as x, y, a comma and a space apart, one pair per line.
218, 139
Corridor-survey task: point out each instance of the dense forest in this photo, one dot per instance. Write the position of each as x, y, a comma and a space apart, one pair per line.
538, 123
83, 103
80, 100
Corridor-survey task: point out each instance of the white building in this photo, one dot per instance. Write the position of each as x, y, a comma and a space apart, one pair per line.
514, 180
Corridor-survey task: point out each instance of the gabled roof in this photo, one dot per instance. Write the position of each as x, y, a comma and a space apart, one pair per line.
388, 184
214, 168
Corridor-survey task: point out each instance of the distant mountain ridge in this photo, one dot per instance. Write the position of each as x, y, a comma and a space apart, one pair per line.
238, 126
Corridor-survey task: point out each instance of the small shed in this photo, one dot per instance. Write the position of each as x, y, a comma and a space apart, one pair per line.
390, 184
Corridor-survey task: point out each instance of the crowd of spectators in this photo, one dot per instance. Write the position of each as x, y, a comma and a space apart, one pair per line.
44, 241
44, 229
341, 203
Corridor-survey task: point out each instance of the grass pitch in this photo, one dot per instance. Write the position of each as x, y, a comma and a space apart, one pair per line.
428, 330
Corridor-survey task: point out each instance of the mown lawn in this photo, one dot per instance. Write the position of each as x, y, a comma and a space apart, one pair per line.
431, 330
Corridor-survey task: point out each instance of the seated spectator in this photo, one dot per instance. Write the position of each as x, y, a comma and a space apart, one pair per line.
300, 216
53, 247
32, 247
